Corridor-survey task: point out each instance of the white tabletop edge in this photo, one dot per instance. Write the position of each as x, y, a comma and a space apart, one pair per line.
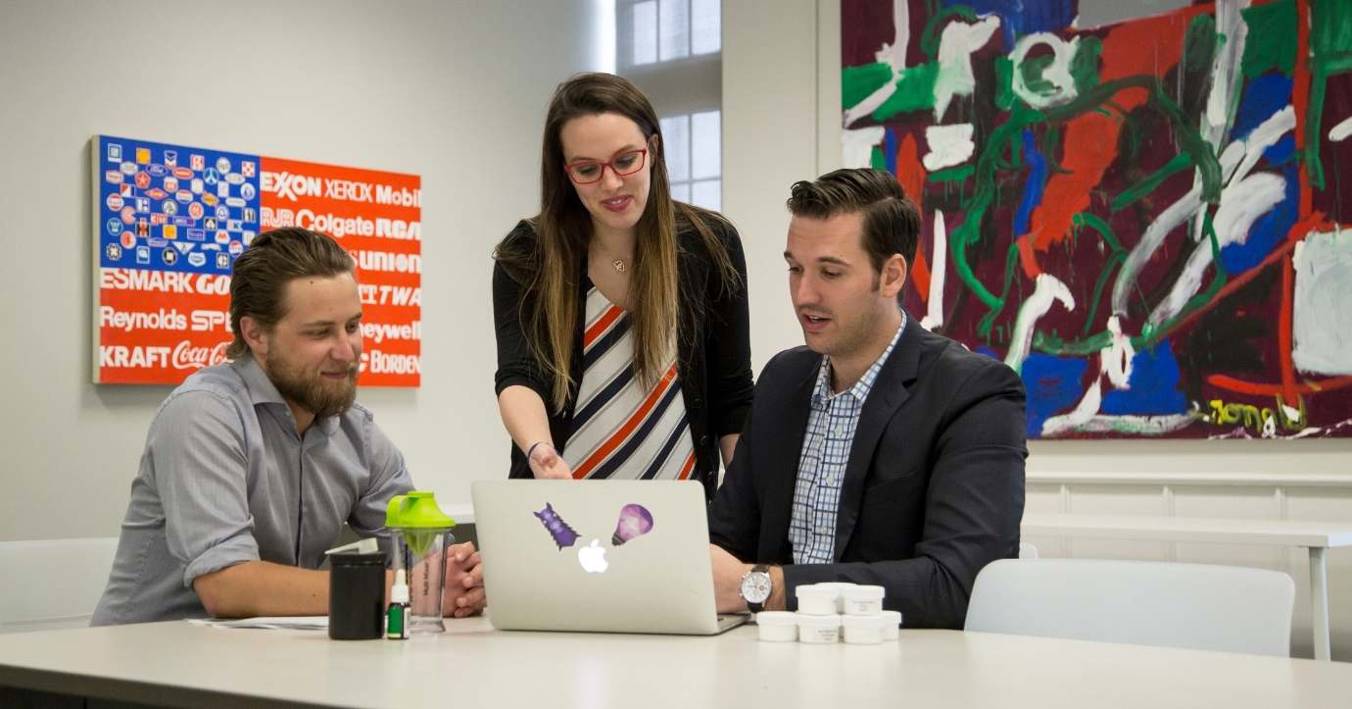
1197, 529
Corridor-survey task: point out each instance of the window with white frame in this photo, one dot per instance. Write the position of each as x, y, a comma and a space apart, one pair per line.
672, 49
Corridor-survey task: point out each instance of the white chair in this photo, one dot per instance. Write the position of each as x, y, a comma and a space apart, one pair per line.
1195, 606
52, 583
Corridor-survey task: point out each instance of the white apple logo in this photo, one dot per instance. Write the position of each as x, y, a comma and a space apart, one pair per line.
593, 558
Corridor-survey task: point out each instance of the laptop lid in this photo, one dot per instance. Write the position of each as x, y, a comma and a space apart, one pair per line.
627, 556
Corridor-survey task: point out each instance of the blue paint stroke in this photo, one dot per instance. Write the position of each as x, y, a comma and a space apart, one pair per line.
1022, 17
1154, 386
1263, 97
1281, 151
1054, 385
1268, 231
1032, 188
890, 152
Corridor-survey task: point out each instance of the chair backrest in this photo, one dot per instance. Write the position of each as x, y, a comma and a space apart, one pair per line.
52, 583
1195, 606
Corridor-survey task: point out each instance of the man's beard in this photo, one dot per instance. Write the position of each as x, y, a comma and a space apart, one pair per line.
312, 393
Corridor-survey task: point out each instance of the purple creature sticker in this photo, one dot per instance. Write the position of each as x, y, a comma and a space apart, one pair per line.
563, 534
635, 521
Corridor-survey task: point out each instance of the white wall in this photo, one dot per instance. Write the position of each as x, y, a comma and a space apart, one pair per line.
452, 91
781, 123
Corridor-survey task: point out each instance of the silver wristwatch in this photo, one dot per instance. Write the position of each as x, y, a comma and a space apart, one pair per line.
756, 587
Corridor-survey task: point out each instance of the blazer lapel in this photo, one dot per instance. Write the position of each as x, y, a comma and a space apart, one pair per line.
887, 395
782, 469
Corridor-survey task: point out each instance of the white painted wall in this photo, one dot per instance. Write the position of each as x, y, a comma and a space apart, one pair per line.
453, 91
781, 123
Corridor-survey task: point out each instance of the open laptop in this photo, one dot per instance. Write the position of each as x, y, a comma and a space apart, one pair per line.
599, 555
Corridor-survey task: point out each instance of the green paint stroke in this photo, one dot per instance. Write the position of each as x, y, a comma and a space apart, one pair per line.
877, 160
1271, 40
859, 82
1116, 256
1129, 196
1330, 28
1031, 69
1053, 345
1199, 45
1313, 125
1084, 66
1331, 45
1108, 269
1004, 83
1105, 232
953, 174
915, 91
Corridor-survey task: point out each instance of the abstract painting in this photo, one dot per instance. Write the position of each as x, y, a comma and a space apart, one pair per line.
1149, 216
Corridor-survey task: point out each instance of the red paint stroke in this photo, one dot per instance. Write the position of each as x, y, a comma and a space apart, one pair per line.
911, 177
1148, 47
1284, 338
1300, 99
1239, 386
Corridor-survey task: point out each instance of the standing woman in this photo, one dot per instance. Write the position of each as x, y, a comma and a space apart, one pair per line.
621, 314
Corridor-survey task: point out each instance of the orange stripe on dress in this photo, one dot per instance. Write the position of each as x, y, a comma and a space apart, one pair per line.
689, 465
629, 426
603, 323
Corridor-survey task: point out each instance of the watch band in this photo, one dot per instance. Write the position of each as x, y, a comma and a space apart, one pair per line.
761, 569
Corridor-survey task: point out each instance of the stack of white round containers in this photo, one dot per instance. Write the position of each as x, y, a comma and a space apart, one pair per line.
830, 612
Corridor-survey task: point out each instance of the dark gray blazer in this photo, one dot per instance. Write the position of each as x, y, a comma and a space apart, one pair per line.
933, 490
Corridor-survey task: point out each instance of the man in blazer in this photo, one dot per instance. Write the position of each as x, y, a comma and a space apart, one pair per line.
879, 453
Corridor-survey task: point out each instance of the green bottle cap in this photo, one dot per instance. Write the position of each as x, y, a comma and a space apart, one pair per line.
417, 516
416, 510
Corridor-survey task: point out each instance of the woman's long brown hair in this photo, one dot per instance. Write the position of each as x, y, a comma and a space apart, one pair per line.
548, 308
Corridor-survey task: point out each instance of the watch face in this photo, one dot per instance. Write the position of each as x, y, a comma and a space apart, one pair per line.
756, 587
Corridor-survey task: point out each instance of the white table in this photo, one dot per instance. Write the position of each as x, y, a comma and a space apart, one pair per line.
1317, 537
473, 665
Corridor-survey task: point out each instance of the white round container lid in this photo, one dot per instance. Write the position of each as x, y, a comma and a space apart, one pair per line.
816, 590
864, 621
864, 593
818, 621
775, 618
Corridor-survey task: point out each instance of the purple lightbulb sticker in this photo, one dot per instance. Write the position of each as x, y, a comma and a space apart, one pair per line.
563, 535
635, 521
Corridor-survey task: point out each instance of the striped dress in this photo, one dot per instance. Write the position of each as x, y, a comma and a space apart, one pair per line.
622, 430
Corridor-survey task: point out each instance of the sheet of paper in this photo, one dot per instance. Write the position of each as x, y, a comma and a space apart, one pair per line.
303, 622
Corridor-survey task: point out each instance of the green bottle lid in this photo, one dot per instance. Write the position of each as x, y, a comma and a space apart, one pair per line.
416, 510
417, 516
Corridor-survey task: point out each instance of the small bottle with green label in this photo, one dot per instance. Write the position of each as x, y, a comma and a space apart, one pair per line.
396, 622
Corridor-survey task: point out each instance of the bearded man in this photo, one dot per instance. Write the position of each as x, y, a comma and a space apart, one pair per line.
251, 467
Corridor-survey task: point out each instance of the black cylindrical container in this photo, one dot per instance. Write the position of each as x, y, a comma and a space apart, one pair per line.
356, 596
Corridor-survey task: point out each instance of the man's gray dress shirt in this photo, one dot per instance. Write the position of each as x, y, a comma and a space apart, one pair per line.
225, 479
